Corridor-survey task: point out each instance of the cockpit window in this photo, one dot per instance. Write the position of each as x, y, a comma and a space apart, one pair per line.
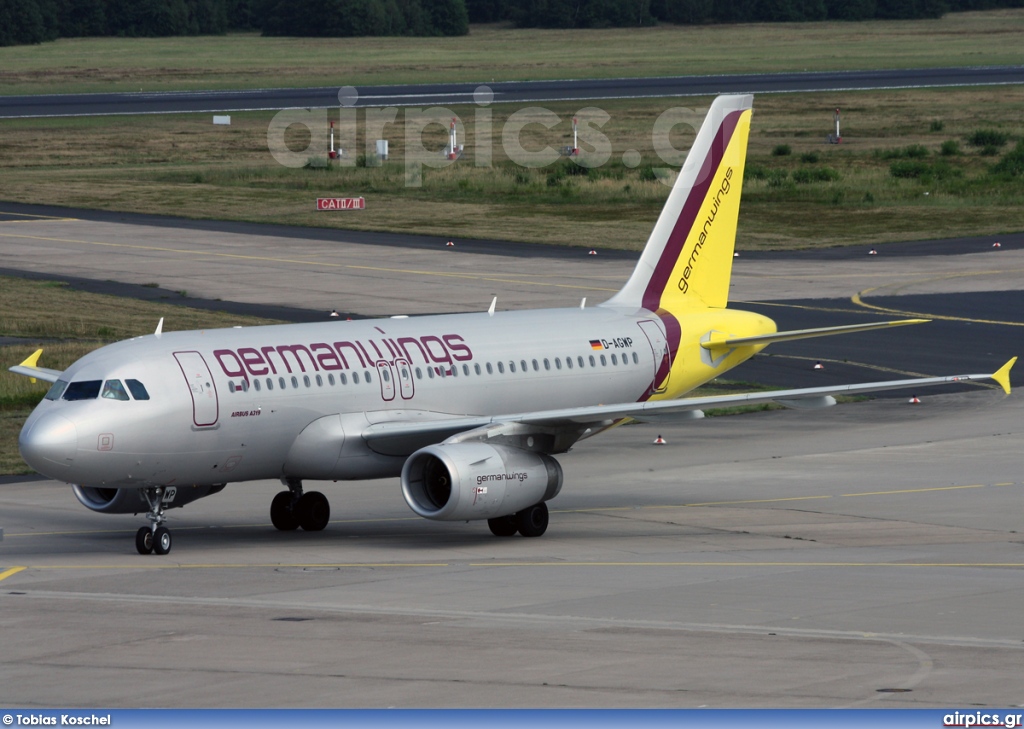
138, 390
113, 390
85, 390
56, 390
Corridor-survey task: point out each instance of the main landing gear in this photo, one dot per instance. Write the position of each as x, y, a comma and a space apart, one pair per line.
154, 538
292, 509
530, 522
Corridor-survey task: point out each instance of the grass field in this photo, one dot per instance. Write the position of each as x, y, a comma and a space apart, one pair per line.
906, 170
493, 53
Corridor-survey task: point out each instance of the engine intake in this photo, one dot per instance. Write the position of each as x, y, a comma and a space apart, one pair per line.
130, 501
465, 481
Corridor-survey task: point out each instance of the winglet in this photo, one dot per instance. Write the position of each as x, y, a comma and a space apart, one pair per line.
33, 359
1002, 376
33, 362
159, 328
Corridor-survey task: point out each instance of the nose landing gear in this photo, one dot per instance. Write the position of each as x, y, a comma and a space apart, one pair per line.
156, 537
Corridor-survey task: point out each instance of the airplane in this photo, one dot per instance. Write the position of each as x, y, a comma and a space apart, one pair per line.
467, 409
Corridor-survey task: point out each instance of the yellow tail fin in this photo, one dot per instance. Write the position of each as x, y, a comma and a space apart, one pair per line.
687, 262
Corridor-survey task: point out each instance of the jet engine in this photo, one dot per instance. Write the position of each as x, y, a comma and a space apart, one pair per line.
131, 500
464, 481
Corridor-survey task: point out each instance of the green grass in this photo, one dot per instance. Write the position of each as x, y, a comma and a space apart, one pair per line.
869, 189
493, 53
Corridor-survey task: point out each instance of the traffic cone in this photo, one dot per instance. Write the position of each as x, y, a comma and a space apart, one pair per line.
914, 400
659, 441
592, 252
819, 366
997, 245
872, 252
450, 244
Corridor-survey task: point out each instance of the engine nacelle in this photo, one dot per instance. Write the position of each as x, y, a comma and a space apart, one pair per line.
131, 501
465, 481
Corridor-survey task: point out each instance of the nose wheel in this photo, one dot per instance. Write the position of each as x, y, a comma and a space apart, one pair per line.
155, 537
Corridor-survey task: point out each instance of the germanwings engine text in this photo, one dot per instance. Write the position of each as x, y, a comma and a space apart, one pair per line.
430, 350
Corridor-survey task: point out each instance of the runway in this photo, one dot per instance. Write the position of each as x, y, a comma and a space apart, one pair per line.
867, 555
864, 555
173, 102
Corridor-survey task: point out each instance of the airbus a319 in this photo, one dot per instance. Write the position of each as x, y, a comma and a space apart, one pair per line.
468, 409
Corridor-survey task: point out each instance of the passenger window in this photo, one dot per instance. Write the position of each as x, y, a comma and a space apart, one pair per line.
430, 372
419, 374
476, 368
369, 379
536, 367
355, 378
501, 368
522, 364
256, 384
137, 389
490, 370
280, 381
558, 363
56, 390
305, 380
614, 360
343, 379
231, 386
295, 382
604, 362
579, 361
330, 379
465, 370
593, 362
547, 364
270, 384
511, 366
568, 362
86, 390
319, 381
385, 375
636, 360
455, 370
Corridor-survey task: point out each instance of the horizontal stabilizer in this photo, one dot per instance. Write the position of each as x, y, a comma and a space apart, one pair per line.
28, 368
720, 342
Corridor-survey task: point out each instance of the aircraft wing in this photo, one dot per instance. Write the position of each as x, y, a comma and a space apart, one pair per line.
29, 369
388, 436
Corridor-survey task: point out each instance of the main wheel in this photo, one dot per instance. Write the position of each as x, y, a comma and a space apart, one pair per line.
503, 526
144, 540
162, 540
314, 511
282, 515
533, 520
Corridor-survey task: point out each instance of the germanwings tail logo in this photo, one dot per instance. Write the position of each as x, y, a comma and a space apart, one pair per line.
687, 262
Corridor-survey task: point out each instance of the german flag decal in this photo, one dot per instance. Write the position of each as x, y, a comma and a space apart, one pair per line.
596, 344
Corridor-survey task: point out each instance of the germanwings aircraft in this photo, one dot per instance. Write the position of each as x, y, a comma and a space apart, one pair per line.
467, 408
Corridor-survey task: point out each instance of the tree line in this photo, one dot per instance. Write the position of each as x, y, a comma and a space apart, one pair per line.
35, 21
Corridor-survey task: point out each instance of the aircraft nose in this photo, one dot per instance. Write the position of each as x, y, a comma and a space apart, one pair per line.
49, 440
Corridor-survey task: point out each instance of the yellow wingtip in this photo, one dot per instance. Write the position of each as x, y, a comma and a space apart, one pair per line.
1002, 375
33, 359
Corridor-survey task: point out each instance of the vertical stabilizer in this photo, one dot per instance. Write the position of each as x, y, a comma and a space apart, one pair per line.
687, 261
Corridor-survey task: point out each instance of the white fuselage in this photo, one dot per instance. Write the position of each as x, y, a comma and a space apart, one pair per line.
289, 401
